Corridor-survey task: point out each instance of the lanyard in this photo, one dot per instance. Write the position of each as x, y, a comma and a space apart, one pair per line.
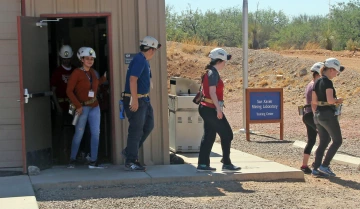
90, 78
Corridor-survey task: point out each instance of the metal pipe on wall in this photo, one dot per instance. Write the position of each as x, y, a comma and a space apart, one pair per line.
245, 58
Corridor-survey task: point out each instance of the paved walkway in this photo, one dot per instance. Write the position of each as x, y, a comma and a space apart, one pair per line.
253, 169
340, 158
16, 192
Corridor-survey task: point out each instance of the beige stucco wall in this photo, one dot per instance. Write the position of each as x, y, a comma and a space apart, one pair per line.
131, 20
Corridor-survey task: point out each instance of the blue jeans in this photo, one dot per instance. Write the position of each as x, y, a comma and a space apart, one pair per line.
91, 115
141, 123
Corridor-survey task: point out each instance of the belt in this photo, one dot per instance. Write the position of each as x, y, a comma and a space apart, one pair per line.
322, 103
207, 100
89, 101
63, 99
139, 95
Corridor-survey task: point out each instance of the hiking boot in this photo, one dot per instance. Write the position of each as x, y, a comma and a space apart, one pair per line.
71, 164
230, 167
306, 169
326, 170
205, 168
316, 173
134, 167
95, 165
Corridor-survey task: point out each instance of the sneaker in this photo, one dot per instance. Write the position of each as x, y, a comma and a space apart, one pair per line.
316, 173
326, 170
95, 165
230, 167
205, 168
138, 163
306, 169
71, 164
134, 167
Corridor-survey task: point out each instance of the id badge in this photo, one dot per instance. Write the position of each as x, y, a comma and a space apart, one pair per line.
91, 93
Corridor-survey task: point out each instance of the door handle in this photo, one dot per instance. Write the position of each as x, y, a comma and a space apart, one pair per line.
27, 96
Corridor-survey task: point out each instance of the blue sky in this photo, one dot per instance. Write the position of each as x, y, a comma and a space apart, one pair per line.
289, 7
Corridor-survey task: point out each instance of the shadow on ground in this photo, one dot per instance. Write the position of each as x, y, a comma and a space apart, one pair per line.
187, 189
10, 173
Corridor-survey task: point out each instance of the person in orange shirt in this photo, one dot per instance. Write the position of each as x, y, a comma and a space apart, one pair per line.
82, 89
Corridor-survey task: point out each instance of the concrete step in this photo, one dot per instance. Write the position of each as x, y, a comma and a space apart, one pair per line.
16, 192
253, 169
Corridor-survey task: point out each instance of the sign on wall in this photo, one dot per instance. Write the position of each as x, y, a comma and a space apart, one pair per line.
264, 105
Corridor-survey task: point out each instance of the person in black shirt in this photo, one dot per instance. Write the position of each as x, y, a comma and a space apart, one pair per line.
325, 117
308, 118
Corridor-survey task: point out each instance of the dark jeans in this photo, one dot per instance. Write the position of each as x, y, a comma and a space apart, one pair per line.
141, 123
60, 143
213, 125
328, 126
308, 120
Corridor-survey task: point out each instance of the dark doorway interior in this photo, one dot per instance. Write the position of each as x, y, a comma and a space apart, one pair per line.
79, 32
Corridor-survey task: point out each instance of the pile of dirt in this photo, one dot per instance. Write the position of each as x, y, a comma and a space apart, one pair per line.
289, 70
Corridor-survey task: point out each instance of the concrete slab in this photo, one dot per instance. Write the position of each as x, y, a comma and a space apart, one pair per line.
16, 192
340, 158
253, 169
83, 176
176, 173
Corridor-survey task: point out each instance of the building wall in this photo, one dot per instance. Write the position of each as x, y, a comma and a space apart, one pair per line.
131, 20
10, 126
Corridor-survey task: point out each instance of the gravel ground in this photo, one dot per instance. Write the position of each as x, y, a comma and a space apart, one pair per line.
319, 193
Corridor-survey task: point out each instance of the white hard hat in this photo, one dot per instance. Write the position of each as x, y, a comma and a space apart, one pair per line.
66, 52
79, 51
316, 67
150, 42
86, 52
333, 63
219, 53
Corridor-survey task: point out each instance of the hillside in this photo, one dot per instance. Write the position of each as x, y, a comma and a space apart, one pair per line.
267, 69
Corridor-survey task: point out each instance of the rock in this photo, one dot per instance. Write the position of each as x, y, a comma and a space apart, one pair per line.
358, 168
303, 72
33, 170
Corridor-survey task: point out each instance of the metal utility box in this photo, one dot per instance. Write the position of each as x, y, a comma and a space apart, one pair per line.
185, 123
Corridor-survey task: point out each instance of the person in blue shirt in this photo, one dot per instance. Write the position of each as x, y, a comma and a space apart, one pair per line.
137, 104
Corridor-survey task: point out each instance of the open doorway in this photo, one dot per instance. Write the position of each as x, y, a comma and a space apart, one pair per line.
79, 32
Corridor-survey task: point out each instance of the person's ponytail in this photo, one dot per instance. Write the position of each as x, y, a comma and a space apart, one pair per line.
212, 63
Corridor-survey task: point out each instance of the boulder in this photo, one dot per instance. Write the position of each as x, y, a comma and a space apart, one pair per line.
33, 170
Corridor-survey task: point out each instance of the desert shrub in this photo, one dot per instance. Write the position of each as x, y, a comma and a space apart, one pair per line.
312, 45
352, 45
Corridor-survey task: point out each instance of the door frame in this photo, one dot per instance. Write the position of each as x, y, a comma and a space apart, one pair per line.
106, 15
